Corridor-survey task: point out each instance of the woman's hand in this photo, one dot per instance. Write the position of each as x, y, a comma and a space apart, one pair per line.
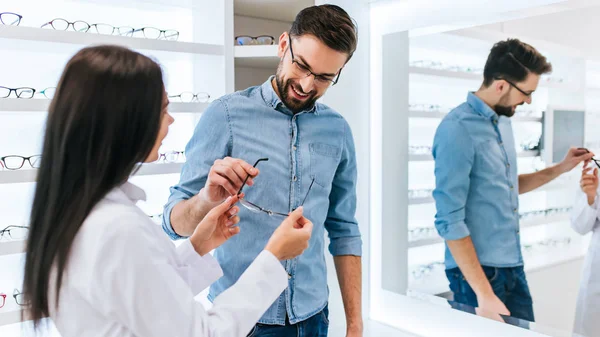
218, 226
589, 183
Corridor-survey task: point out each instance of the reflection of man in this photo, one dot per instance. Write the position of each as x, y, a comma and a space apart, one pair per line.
304, 141
477, 185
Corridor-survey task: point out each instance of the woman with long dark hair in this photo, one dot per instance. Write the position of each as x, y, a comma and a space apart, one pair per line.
95, 263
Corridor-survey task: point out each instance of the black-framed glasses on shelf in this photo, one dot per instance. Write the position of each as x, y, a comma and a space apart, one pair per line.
304, 70
22, 92
257, 209
10, 19
155, 33
171, 156
19, 297
14, 232
188, 97
14, 162
62, 24
246, 40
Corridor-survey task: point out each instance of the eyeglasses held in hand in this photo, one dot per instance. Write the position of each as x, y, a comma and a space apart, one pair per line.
10, 19
257, 209
593, 159
19, 298
62, 24
188, 97
155, 33
23, 92
14, 162
14, 232
245, 40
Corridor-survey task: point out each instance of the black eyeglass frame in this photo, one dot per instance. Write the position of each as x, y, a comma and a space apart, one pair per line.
302, 66
264, 210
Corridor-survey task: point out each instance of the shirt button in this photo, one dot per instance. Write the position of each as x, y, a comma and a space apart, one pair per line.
515, 210
512, 187
295, 148
289, 276
507, 165
295, 178
500, 143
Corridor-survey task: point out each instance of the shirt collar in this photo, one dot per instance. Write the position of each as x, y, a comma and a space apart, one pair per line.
127, 191
271, 99
480, 106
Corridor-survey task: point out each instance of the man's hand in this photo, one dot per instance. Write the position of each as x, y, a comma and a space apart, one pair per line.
573, 158
225, 178
492, 304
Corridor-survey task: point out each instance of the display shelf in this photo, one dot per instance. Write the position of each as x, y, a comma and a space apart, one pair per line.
256, 56
12, 247
440, 115
437, 283
425, 242
479, 77
29, 176
41, 105
429, 157
544, 220
86, 39
8, 317
421, 201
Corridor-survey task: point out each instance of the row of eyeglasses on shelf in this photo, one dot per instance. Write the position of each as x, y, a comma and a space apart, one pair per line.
14, 19
420, 233
17, 296
531, 143
439, 65
420, 272
424, 107
15, 162
29, 93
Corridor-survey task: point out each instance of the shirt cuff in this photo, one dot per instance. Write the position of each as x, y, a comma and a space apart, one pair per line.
166, 221
268, 265
198, 271
346, 246
454, 231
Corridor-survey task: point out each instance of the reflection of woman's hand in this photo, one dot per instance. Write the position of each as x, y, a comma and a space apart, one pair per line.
216, 227
488, 314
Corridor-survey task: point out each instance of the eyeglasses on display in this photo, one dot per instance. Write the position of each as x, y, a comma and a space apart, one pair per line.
14, 233
257, 209
423, 270
14, 162
419, 149
19, 297
62, 24
545, 212
10, 19
188, 97
418, 233
423, 193
155, 33
246, 40
171, 156
22, 92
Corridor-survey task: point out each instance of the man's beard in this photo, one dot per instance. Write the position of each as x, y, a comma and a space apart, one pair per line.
504, 110
292, 103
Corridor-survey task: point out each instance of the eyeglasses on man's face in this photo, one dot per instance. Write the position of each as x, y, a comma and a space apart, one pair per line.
527, 94
301, 69
258, 209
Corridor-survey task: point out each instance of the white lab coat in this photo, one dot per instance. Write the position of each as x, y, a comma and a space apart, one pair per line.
126, 278
585, 219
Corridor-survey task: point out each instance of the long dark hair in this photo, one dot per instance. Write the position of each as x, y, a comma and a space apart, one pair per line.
103, 120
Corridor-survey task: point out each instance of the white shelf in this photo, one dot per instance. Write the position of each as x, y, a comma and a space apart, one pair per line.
429, 157
41, 105
425, 242
256, 56
544, 220
8, 317
12, 247
86, 39
420, 201
440, 115
29, 176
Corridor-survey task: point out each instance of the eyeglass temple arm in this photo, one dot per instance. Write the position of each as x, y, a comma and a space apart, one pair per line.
248, 176
593, 159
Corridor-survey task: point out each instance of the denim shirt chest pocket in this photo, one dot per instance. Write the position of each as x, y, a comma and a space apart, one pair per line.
324, 160
491, 159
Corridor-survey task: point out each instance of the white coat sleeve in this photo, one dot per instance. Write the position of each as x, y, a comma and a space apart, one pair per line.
583, 216
137, 287
197, 271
